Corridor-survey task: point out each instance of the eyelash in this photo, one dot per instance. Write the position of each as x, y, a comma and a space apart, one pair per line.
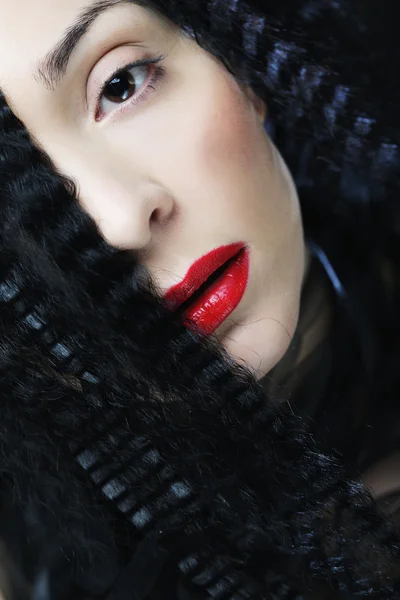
157, 74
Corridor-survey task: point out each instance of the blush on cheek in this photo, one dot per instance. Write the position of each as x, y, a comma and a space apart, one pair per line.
229, 133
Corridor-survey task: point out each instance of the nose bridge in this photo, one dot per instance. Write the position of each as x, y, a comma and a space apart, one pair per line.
123, 202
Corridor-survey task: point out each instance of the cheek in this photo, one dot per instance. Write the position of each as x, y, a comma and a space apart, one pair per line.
234, 157
228, 136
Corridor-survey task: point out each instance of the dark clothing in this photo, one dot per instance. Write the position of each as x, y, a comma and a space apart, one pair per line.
314, 386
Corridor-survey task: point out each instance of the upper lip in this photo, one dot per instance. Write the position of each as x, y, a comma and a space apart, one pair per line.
199, 272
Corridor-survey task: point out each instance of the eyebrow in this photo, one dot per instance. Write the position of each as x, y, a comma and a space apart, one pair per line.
52, 68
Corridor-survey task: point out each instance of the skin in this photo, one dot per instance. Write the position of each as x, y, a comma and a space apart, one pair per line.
186, 169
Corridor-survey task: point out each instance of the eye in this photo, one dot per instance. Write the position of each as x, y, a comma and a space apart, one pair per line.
130, 82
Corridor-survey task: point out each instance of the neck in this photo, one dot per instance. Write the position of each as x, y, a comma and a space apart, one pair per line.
313, 327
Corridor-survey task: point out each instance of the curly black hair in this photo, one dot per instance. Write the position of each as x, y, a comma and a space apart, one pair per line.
137, 459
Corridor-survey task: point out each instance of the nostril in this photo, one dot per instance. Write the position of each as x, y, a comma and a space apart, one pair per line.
155, 215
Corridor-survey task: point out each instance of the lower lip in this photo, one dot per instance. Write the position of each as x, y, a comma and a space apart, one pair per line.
221, 298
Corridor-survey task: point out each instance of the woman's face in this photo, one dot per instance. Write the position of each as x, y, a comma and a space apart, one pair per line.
170, 168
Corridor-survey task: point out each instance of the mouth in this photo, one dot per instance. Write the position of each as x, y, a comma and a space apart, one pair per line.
212, 288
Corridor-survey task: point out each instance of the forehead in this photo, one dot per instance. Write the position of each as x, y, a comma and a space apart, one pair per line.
32, 24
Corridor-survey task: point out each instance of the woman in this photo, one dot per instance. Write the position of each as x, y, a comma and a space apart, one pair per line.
141, 457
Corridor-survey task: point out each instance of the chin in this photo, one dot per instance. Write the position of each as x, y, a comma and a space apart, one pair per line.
260, 343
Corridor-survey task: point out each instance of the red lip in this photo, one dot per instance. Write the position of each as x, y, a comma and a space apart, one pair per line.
219, 298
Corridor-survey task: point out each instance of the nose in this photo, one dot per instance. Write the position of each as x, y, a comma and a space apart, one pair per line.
129, 211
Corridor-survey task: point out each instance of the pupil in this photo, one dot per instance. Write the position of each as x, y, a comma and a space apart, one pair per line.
120, 87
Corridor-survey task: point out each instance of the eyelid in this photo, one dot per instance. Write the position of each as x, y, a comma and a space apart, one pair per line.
99, 81
125, 67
